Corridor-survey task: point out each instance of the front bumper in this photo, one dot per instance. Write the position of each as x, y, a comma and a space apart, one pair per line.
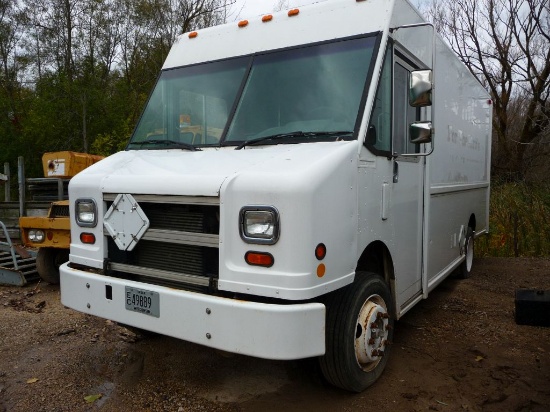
269, 331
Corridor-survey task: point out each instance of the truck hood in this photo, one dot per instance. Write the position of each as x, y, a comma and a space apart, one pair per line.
201, 173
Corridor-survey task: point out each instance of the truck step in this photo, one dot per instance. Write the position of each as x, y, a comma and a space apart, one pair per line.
25, 272
17, 265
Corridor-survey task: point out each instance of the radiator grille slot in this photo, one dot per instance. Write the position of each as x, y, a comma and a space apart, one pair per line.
59, 211
185, 218
192, 260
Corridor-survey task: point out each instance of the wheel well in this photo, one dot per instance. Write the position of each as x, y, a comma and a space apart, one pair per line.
472, 222
377, 258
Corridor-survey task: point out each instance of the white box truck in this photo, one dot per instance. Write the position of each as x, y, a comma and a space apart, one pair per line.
295, 184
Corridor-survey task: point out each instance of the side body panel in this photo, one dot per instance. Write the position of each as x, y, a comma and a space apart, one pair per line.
454, 183
458, 177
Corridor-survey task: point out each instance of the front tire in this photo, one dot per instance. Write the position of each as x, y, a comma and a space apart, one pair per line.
359, 330
48, 261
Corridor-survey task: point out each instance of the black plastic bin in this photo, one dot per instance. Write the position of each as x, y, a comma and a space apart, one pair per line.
533, 307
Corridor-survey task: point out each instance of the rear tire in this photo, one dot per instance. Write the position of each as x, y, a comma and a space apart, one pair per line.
465, 268
48, 261
359, 329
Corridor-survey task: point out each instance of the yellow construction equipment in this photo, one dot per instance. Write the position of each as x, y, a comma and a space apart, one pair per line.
51, 234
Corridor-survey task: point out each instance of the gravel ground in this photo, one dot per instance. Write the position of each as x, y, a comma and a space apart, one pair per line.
459, 350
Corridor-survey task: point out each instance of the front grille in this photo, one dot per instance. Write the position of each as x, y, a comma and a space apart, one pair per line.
59, 211
179, 249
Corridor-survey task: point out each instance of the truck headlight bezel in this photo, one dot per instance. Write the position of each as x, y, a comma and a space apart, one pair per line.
36, 235
86, 212
259, 225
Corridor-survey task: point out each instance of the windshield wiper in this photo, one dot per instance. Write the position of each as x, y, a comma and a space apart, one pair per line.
171, 143
293, 135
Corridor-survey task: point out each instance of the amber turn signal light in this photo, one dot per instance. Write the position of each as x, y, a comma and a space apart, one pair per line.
88, 238
259, 259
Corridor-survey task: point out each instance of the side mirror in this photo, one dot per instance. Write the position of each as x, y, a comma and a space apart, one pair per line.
370, 140
420, 132
420, 88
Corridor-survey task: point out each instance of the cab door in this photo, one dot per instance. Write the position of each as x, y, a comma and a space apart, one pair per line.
400, 174
407, 199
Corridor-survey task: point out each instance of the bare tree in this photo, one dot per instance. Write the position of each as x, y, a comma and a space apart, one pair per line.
506, 45
281, 5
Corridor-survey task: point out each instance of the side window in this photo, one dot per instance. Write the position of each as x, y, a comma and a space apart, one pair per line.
404, 114
378, 138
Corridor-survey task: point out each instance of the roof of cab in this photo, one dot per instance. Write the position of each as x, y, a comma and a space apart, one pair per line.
308, 24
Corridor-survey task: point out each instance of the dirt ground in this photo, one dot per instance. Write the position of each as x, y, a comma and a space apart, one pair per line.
459, 350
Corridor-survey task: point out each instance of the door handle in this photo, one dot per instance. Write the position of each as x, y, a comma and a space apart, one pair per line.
395, 172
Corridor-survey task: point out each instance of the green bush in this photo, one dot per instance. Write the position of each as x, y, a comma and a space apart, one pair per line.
519, 221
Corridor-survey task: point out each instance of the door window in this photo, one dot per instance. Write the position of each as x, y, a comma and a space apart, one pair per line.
378, 138
404, 114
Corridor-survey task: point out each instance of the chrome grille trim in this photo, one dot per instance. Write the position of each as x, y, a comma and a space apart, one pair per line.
181, 200
184, 238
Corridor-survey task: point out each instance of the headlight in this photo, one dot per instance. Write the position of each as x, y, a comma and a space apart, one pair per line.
36, 235
86, 212
259, 224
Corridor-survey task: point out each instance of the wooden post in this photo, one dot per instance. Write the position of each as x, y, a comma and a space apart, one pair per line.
21, 176
7, 192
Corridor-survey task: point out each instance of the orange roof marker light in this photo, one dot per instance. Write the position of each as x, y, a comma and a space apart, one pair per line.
293, 12
193, 34
243, 23
267, 17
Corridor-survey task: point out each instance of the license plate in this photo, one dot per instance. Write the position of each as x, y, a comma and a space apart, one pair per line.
143, 301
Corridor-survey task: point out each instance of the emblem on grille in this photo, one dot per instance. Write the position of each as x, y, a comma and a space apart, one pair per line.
125, 222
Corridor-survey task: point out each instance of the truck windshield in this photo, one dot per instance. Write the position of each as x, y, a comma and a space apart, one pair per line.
190, 106
303, 94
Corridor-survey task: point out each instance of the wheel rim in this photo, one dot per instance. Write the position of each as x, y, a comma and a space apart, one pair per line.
469, 254
371, 335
